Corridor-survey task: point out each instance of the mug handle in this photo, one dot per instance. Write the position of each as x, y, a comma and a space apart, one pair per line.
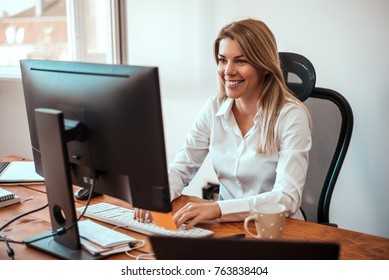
246, 223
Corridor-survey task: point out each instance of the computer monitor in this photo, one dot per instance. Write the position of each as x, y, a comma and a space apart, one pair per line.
95, 122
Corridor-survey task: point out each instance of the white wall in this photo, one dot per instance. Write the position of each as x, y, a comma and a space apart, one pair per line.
14, 134
347, 41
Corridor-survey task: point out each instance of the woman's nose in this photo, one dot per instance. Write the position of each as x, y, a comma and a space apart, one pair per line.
230, 69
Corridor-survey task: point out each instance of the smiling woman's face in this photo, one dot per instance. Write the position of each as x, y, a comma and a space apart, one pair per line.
239, 77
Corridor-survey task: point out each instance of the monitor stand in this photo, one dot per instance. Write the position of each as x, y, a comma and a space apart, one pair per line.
53, 140
49, 245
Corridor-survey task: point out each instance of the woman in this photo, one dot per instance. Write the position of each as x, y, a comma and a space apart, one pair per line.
256, 131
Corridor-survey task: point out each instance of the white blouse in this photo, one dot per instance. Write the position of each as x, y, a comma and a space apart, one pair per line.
247, 178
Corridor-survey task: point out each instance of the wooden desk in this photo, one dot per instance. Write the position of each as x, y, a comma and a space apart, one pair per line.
353, 245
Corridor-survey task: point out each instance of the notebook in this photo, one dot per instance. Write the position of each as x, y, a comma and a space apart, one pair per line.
178, 248
8, 198
19, 172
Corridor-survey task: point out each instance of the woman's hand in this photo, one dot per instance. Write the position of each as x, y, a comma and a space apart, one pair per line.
142, 216
194, 212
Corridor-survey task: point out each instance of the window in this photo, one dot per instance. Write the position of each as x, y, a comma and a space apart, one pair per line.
57, 30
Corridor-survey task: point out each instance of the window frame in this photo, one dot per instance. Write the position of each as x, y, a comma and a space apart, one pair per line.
116, 49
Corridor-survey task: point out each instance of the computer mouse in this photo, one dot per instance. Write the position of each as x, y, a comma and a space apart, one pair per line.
83, 194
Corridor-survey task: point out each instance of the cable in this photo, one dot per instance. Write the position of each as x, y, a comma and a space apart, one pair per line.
93, 184
63, 230
147, 256
59, 231
144, 256
10, 251
22, 215
140, 245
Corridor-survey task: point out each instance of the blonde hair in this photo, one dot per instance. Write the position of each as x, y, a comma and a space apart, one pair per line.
259, 46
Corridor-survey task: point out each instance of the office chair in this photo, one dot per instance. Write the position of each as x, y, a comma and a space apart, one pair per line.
332, 119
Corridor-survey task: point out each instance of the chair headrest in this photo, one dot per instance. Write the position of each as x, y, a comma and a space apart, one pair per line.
299, 74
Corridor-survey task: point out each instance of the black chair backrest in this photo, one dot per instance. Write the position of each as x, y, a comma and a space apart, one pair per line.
332, 119
299, 74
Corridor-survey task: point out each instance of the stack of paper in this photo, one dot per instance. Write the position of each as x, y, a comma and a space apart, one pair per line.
98, 239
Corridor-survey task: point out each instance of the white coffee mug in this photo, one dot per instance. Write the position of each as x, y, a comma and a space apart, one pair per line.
269, 221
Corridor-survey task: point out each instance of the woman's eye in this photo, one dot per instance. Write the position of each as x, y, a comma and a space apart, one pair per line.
241, 61
222, 60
